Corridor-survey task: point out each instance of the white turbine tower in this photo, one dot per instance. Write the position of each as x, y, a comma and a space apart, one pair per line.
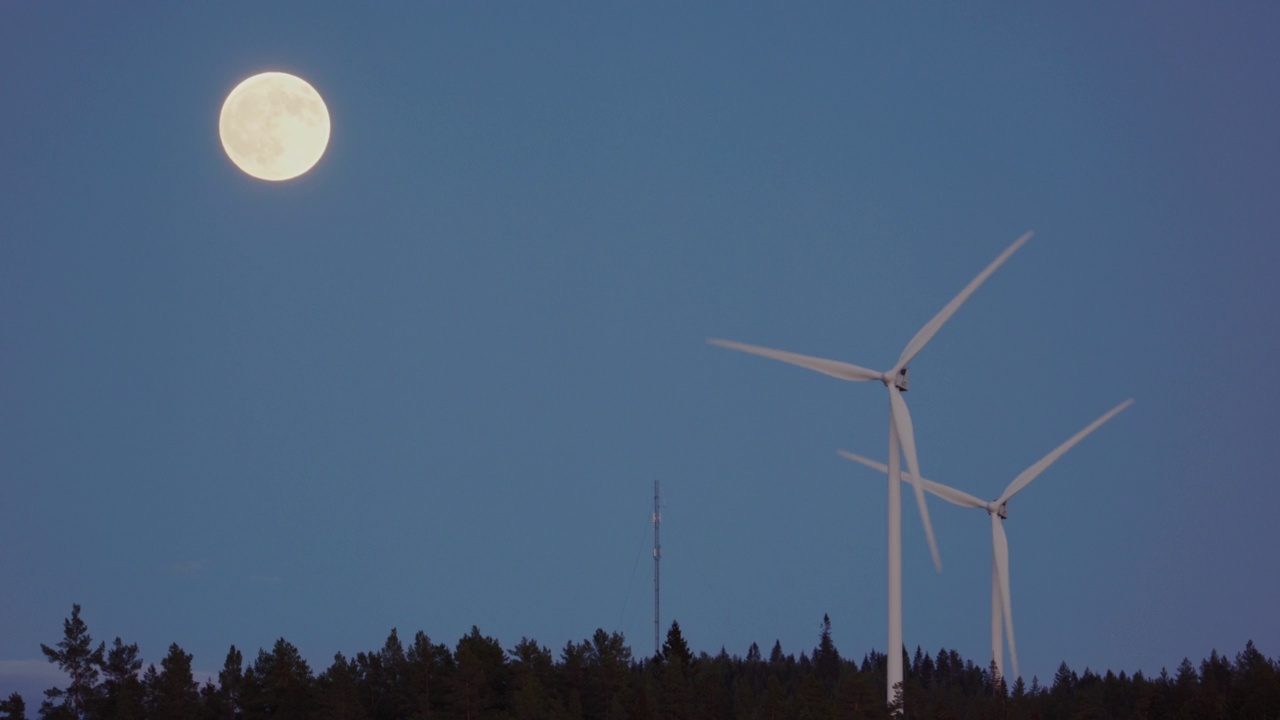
998, 509
901, 442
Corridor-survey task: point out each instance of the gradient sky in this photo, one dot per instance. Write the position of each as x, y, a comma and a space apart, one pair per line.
430, 383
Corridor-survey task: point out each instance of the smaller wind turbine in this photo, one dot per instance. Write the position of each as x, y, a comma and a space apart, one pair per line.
998, 509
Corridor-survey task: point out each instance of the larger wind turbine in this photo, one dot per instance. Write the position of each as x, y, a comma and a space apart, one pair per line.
998, 509
902, 442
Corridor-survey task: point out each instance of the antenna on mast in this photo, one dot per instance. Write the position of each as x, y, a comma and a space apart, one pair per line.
657, 558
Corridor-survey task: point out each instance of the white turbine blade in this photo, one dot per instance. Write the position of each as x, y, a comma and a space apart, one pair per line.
906, 435
868, 462
1034, 471
927, 332
1000, 545
834, 368
950, 494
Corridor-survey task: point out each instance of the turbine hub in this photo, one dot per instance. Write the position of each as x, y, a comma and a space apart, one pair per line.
1002, 509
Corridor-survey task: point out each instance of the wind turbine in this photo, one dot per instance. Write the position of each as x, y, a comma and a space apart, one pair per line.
901, 441
998, 509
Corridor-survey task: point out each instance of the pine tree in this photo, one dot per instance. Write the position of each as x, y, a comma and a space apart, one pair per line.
15, 708
1185, 686
826, 660
675, 677
279, 685
225, 702
1064, 680
429, 668
337, 695
371, 678
927, 671
172, 693
1019, 702
573, 677
533, 672
675, 648
608, 660
1059, 699
1215, 686
123, 693
383, 679
76, 656
482, 679
1257, 686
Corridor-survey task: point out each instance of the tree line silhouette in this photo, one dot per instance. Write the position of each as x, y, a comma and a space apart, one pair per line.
600, 679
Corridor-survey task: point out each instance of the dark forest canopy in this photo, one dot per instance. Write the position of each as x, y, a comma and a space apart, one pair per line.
599, 678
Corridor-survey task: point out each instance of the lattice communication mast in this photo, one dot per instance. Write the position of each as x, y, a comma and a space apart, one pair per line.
657, 559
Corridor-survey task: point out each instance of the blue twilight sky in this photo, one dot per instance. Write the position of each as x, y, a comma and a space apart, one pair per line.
430, 383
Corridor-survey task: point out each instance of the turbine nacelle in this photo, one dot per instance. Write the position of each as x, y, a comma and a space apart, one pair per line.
899, 381
1001, 510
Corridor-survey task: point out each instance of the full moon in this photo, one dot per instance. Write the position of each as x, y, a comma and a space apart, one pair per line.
274, 126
